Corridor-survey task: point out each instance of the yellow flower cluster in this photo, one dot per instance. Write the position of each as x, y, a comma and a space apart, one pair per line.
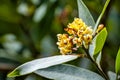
78, 34
65, 43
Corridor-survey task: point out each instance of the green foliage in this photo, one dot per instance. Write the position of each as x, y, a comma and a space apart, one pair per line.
34, 65
98, 42
85, 14
101, 15
8, 13
117, 64
68, 72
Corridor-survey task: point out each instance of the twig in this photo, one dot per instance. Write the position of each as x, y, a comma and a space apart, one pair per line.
99, 69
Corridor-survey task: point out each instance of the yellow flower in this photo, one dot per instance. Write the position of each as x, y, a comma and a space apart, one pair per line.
88, 30
75, 26
77, 41
70, 31
65, 43
86, 40
78, 34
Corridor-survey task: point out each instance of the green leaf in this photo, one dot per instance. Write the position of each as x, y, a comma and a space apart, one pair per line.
34, 65
68, 72
98, 42
101, 15
117, 65
84, 14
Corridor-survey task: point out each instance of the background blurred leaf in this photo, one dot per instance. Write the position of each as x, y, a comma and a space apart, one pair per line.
117, 64
68, 72
40, 13
85, 14
7, 13
34, 65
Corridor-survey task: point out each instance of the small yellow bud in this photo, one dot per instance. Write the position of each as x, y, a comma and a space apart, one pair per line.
100, 27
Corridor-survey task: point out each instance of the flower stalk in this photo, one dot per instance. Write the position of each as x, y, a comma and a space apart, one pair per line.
97, 66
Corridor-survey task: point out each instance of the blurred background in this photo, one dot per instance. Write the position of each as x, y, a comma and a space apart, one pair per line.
28, 30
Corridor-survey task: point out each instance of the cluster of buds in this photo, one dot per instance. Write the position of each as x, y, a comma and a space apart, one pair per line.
78, 34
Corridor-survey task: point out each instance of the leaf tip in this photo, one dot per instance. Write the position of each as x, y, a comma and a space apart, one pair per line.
13, 73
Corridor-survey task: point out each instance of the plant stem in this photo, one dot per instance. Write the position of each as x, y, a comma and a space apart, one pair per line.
101, 15
116, 76
99, 68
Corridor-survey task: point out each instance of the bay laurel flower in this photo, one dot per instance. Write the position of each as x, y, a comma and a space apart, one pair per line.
78, 34
75, 26
65, 43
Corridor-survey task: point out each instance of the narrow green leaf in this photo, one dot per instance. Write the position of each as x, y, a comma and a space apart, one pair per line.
98, 42
84, 14
117, 65
101, 15
68, 72
34, 65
